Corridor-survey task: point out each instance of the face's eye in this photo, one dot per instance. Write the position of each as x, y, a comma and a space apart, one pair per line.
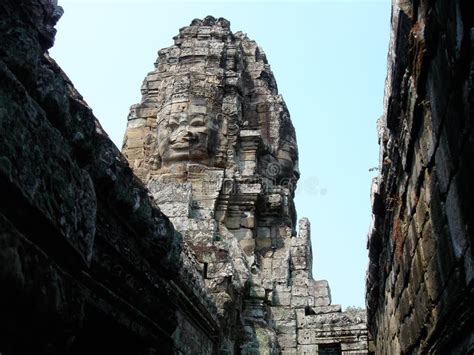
173, 123
197, 122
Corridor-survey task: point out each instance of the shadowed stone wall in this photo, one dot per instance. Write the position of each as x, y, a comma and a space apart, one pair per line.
88, 263
420, 278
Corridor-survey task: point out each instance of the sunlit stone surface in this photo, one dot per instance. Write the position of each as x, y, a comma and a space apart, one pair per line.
214, 142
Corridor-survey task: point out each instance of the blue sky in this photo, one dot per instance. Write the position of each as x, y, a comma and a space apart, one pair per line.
329, 60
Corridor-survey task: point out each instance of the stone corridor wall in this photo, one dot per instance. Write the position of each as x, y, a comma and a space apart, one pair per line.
420, 277
88, 263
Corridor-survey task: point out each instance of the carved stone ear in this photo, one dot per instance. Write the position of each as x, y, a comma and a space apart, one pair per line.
217, 122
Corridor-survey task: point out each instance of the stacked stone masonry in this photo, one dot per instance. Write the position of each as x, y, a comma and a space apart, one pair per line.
420, 294
213, 141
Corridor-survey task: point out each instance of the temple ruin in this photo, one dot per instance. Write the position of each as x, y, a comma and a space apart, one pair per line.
187, 241
213, 141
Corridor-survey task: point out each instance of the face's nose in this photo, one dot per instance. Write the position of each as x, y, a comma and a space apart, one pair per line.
185, 132
182, 133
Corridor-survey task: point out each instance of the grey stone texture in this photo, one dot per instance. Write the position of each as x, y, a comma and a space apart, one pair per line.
420, 276
213, 141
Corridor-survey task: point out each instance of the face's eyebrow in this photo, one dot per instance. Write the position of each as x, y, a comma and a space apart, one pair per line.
197, 119
173, 119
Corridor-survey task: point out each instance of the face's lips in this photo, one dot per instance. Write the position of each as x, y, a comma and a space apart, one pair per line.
180, 145
184, 141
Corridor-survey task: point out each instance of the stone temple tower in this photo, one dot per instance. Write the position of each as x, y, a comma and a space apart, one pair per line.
213, 141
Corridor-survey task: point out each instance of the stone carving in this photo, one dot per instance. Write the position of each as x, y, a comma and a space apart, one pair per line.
185, 138
224, 170
187, 128
214, 142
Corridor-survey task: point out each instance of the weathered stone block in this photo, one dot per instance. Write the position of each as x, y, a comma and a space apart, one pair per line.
300, 251
306, 336
281, 298
286, 327
136, 123
327, 309
307, 349
300, 263
300, 301
287, 341
354, 348
282, 313
322, 301
299, 291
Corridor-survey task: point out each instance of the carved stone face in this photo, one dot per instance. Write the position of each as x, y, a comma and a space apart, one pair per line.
186, 135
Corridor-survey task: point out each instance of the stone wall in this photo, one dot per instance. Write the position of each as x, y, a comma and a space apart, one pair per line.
420, 278
88, 263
